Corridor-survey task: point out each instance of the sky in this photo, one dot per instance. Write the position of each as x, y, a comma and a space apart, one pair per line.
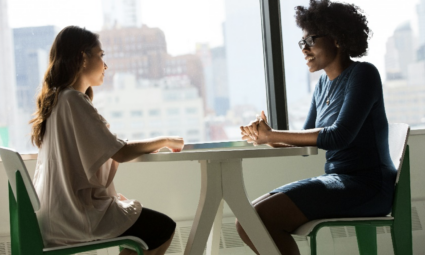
175, 18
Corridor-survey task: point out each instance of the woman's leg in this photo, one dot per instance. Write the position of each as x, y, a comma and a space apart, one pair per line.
161, 249
281, 217
155, 228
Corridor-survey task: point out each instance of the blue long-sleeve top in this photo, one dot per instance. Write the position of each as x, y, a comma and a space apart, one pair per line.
355, 126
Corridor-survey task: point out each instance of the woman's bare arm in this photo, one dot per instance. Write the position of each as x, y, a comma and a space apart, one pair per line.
133, 149
298, 138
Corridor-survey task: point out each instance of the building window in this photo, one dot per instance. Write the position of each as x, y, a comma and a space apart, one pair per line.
138, 136
191, 110
137, 113
193, 132
116, 114
155, 133
173, 111
154, 112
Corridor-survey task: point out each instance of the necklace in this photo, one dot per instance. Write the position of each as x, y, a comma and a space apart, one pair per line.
328, 96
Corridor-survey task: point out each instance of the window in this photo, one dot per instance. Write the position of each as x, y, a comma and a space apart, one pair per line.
136, 113
137, 124
173, 111
191, 110
192, 132
155, 133
175, 132
397, 49
116, 114
138, 136
214, 65
154, 112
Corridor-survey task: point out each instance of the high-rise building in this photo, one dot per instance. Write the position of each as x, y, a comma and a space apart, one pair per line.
400, 52
32, 47
7, 81
392, 63
420, 53
121, 13
420, 8
140, 51
215, 72
221, 85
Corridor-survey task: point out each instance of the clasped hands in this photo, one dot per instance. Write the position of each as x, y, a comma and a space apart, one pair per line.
258, 131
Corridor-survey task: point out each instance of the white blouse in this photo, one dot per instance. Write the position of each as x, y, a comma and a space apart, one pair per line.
74, 174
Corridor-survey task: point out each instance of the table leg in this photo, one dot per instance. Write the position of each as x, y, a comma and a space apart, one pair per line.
209, 202
235, 195
213, 244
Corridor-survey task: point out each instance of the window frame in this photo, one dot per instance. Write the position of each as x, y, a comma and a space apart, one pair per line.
274, 66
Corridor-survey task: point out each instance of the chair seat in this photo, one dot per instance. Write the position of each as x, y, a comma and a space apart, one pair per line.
133, 238
305, 229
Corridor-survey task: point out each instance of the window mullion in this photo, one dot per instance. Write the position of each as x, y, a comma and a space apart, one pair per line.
273, 64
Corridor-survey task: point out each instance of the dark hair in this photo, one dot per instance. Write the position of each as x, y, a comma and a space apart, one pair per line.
343, 22
65, 62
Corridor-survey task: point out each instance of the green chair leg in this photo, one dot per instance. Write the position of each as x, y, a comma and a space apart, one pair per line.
313, 245
402, 241
401, 231
366, 240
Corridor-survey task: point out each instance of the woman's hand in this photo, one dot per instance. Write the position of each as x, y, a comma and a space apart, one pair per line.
264, 131
250, 132
257, 132
174, 143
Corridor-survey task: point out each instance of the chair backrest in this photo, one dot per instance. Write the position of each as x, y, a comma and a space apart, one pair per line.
25, 232
12, 162
397, 138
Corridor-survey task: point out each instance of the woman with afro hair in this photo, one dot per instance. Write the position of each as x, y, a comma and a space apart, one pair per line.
346, 118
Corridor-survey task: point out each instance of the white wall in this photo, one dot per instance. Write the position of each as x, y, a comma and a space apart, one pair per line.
173, 188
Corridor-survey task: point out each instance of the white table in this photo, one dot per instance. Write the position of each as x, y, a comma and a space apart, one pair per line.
221, 177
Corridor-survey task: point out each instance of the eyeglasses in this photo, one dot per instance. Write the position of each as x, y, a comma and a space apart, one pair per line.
309, 41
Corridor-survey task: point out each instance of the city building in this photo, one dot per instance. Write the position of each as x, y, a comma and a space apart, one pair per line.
31, 51
143, 53
220, 80
32, 47
404, 103
420, 8
400, 52
140, 109
215, 74
121, 13
404, 89
7, 81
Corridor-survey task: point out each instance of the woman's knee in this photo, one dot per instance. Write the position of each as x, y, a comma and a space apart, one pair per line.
280, 213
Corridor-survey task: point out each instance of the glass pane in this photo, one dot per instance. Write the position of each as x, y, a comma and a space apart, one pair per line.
192, 68
397, 49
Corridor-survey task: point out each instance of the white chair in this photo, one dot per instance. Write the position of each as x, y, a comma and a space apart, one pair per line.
399, 221
25, 233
